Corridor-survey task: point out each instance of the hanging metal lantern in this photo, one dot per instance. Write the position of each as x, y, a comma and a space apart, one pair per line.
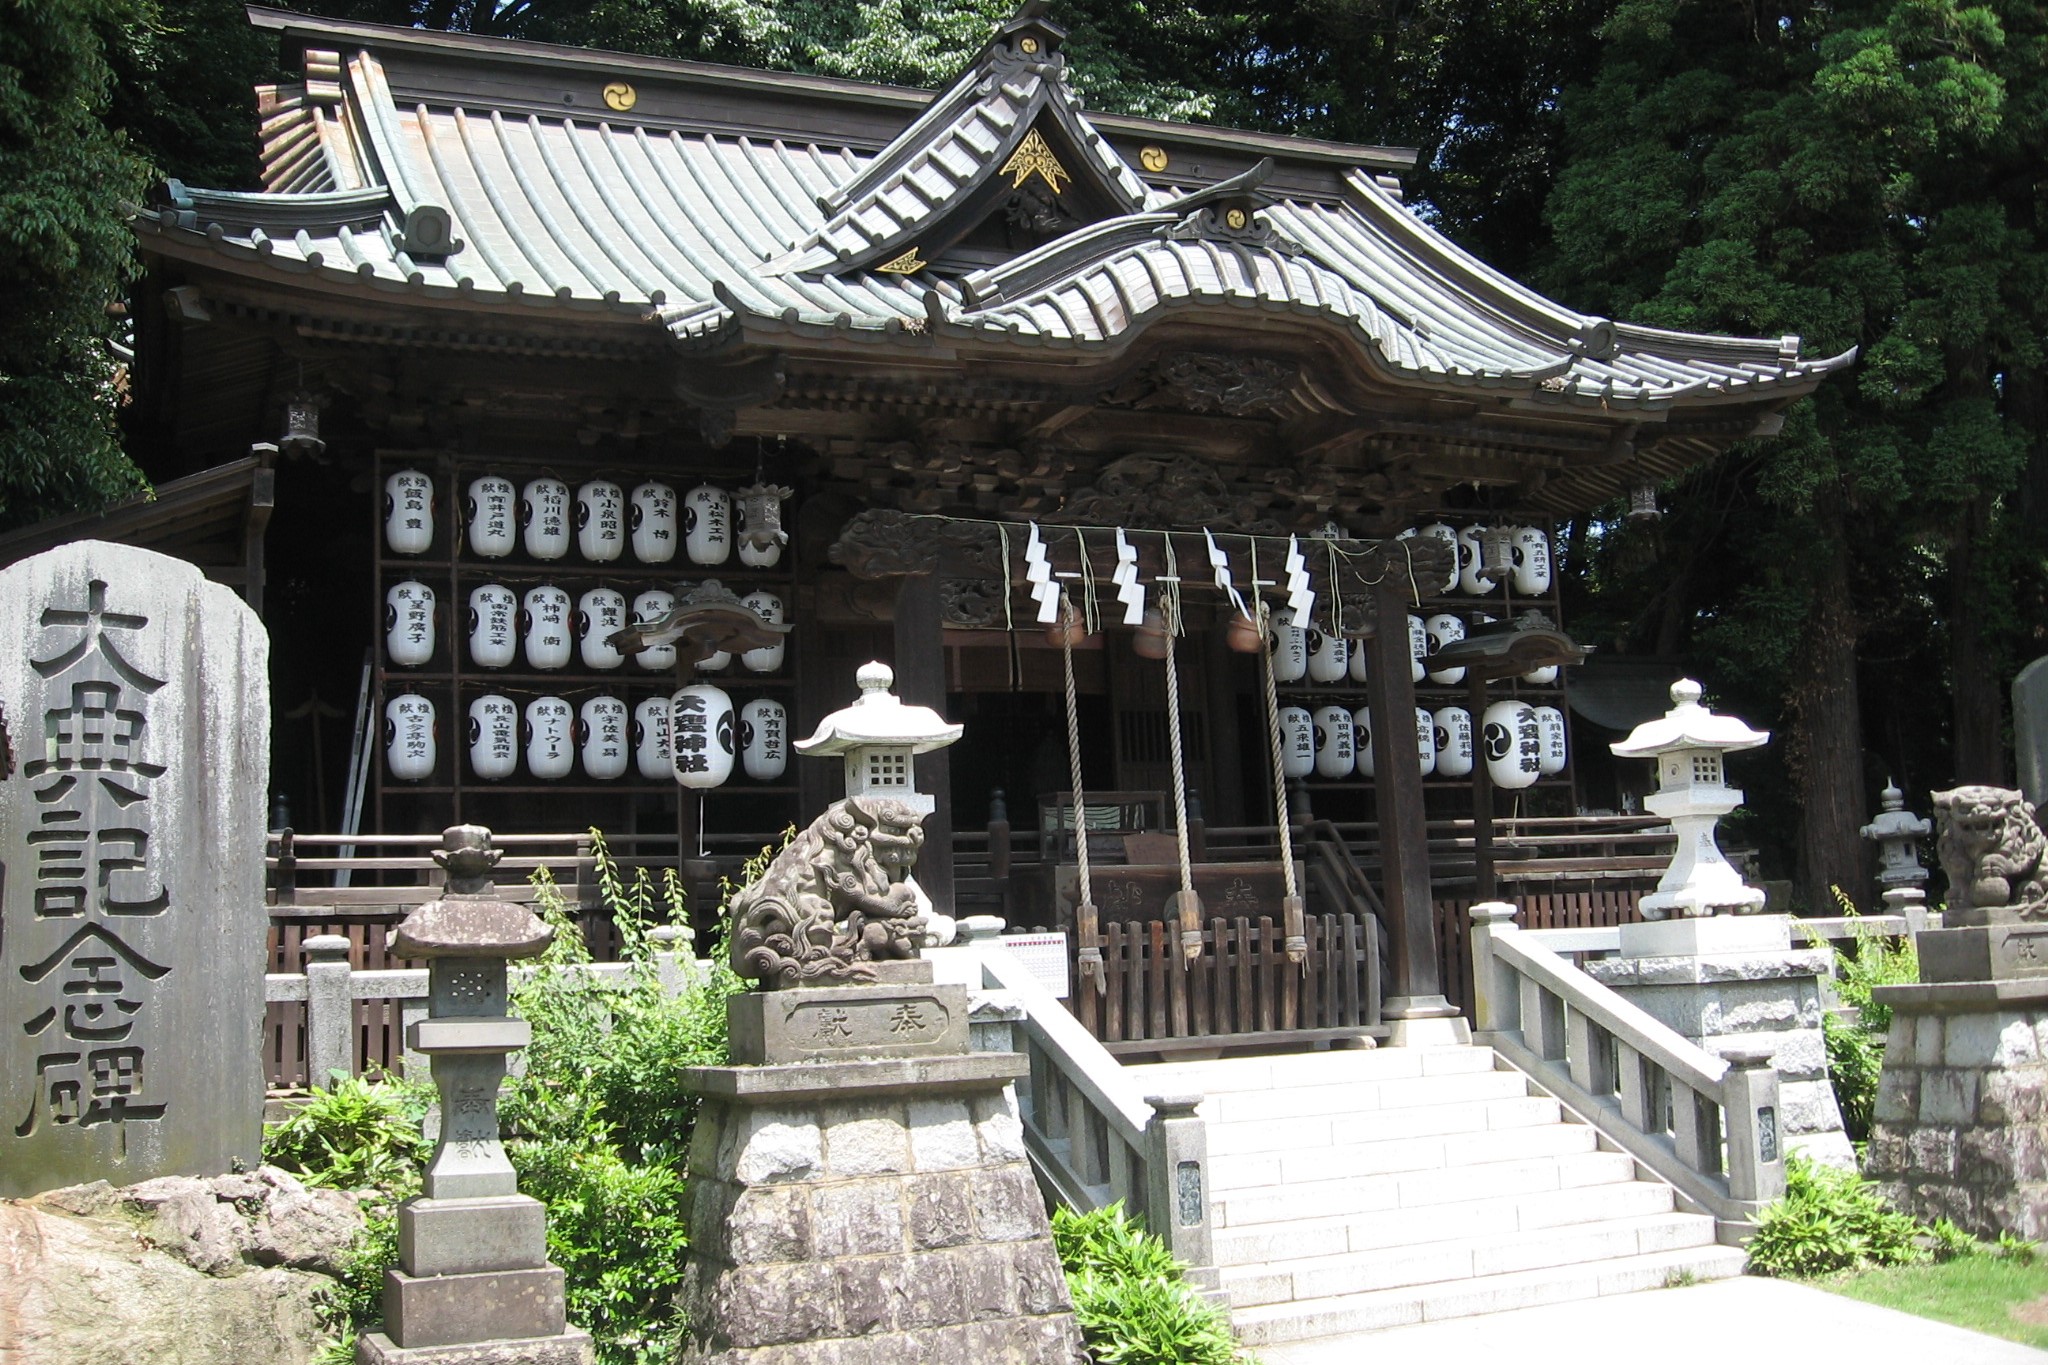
1297, 741
1496, 555
600, 521
1512, 742
546, 622
409, 623
1289, 644
650, 740
1642, 502
409, 512
1551, 732
549, 754
1532, 561
1470, 579
1443, 629
493, 625
1425, 739
411, 747
1418, 647
653, 522
700, 735
1453, 725
1449, 537
1328, 656
493, 737
301, 426
758, 508
489, 506
544, 518
768, 658
1336, 752
707, 524
602, 723
653, 605
600, 613
764, 739
1361, 742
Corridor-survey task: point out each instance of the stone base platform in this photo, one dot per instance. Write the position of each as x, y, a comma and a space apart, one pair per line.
571, 1347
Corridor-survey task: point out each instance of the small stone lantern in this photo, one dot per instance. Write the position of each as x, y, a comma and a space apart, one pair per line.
1897, 831
880, 737
1689, 744
473, 1269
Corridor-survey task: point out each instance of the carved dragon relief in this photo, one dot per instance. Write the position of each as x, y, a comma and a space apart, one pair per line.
1172, 491
1208, 381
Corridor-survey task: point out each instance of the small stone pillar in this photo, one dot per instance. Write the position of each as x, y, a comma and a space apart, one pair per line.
473, 1286
1961, 1123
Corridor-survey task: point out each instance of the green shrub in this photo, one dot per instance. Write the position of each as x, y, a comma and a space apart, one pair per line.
364, 1133
1855, 1063
1856, 1049
1947, 1242
2010, 1246
1131, 1297
1830, 1220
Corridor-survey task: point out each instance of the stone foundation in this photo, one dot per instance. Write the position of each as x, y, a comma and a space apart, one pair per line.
1961, 1124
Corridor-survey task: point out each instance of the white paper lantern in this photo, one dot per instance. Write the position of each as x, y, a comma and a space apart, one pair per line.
1532, 561
600, 613
409, 512
1453, 726
1289, 646
547, 627
1361, 742
1297, 741
764, 739
544, 515
1550, 727
1335, 751
493, 737
600, 521
602, 723
1425, 739
1445, 628
700, 735
767, 658
549, 751
1512, 742
652, 605
409, 623
1541, 677
654, 523
490, 516
1418, 647
716, 663
1356, 666
707, 524
411, 747
650, 740
1328, 656
1449, 537
493, 625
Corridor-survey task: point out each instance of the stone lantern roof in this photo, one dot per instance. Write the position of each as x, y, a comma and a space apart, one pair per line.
1688, 725
879, 719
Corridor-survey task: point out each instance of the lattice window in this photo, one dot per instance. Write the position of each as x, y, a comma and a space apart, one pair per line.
888, 770
1706, 770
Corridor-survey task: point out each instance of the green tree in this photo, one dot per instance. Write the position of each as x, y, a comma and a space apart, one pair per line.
64, 254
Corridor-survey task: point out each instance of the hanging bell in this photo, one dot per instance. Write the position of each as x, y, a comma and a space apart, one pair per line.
1152, 640
1243, 635
1069, 630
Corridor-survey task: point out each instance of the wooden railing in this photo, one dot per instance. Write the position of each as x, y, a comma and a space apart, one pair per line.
1709, 1125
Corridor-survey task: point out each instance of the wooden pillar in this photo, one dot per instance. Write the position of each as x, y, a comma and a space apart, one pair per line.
921, 680
1404, 834
1485, 886
1224, 793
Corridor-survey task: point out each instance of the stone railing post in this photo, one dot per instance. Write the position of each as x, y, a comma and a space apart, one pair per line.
330, 1011
1749, 1097
1176, 1202
1497, 996
668, 965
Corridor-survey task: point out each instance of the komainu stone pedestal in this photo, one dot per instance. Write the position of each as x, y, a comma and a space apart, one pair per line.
877, 1211
1735, 980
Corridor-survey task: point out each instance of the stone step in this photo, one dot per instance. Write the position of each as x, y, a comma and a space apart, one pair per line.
1271, 1324
1228, 1075
1442, 1222
1415, 1189
1271, 1134
1358, 1272
1346, 1095
1237, 1169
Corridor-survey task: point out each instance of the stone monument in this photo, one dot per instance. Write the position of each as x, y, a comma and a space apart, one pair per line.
1708, 965
473, 1284
2030, 728
1961, 1123
134, 758
859, 1184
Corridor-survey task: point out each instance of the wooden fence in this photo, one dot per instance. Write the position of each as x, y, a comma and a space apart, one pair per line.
1600, 907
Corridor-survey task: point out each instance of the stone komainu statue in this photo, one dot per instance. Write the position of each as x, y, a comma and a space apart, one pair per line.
835, 900
1994, 851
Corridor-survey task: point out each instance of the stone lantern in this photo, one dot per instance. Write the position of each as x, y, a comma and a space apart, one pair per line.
880, 737
1690, 744
1897, 831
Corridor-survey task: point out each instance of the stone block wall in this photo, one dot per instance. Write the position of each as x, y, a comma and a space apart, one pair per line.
1959, 1129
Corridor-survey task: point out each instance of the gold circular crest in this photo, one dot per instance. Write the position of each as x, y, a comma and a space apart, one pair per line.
620, 96
1027, 46
1236, 218
1152, 158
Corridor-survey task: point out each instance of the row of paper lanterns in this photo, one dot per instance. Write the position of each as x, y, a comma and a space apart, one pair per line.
1304, 652
1519, 742
1529, 547
693, 736
499, 618
600, 517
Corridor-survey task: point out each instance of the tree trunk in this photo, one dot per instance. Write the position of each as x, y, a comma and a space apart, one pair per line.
1976, 680
1825, 748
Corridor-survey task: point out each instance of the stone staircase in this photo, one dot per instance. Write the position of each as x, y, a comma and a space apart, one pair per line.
1355, 1190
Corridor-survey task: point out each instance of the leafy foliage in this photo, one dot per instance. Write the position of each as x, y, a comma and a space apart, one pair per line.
1856, 1048
1131, 1297
364, 1133
1830, 1220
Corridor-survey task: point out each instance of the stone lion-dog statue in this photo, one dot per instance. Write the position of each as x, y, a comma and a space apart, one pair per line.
1993, 849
